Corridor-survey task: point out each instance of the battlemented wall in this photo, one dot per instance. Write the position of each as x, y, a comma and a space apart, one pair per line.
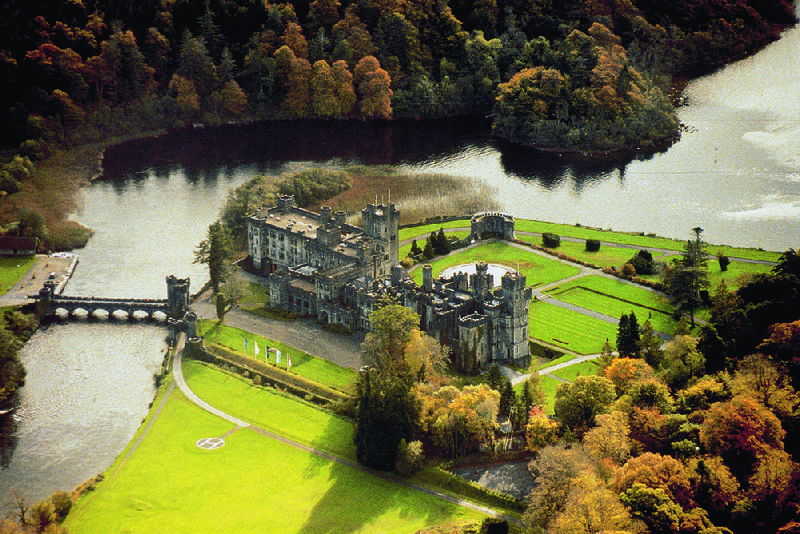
320, 266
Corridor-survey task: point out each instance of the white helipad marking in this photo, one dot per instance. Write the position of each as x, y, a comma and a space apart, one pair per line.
210, 443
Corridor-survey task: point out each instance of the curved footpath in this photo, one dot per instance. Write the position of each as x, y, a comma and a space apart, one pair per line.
177, 369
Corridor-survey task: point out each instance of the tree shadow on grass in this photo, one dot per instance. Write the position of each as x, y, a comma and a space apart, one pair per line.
359, 500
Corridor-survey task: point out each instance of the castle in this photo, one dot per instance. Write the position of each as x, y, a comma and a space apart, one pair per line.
318, 265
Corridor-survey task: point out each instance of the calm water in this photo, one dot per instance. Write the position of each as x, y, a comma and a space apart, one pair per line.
736, 173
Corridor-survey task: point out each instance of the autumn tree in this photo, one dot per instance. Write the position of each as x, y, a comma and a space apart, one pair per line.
298, 96
343, 88
761, 377
456, 421
540, 430
623, 372
655, 471
591, 507
354, 37
293, 38
610, 438
741, 431
555, 470
185, 96
682, 361
427, 359
374, 89
577, 404
391, 326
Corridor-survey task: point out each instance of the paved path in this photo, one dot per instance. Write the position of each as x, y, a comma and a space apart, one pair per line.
177, 368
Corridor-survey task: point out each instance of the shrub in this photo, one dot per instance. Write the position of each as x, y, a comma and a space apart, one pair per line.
643, 262
550, 240
724, 261
410, 458
592, 245
628, 270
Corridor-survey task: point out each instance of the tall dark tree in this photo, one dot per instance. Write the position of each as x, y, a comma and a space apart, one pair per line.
216, 251
387, 413
508, 398
628, 336
688, 276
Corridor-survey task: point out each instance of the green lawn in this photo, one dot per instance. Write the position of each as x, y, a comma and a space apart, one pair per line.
607, 256
538, 270
644, 241
12, 269
263, 407
304, 364
405, 250
615, 298
736, 271
579, 369
425, 230
251, 484
569, 330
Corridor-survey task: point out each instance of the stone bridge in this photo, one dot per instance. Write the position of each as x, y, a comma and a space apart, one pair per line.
174, 306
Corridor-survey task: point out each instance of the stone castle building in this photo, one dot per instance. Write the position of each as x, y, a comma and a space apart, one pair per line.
318, 265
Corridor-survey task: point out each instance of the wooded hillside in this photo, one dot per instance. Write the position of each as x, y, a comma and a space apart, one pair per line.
81, 70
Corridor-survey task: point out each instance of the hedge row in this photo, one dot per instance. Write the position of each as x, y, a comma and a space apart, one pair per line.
658, 286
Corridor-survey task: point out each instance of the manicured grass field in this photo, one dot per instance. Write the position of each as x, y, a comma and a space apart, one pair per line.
609, 236
265, 408
12, 269
251, 484
405, 250
607, 256
304, 364
567, 329
615, 298
589, 368
538, 270
426, 229
736, 272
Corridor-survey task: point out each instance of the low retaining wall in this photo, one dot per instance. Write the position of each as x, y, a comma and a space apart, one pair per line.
269, 376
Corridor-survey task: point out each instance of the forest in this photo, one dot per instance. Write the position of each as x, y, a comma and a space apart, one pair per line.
580, 75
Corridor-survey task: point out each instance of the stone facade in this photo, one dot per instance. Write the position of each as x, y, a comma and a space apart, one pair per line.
488, 223
320, 266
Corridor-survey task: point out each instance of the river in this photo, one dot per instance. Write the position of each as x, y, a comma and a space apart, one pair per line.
735, 172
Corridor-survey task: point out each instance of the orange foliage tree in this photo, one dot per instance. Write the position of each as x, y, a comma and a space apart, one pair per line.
374, 89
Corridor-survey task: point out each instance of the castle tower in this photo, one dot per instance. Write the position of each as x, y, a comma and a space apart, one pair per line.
382, 223
325, 215
427, 278
177, 296
516, 299
285, 203
481, 281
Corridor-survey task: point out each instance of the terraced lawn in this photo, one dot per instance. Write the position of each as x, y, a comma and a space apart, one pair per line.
615, 298
538, 270
569, 330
